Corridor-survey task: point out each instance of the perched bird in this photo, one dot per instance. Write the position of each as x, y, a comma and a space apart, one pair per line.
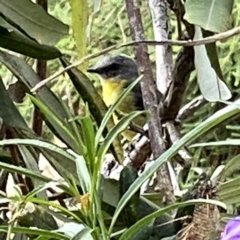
116, 73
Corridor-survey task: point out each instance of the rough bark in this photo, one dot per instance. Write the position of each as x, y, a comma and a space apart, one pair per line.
149, 93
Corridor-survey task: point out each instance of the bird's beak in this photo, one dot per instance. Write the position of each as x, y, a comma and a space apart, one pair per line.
92, 70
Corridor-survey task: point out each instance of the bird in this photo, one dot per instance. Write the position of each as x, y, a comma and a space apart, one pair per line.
116, 73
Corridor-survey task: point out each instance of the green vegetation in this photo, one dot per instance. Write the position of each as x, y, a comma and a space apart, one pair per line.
66, 123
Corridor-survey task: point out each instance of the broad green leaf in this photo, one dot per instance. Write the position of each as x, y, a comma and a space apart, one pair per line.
110, 191
79, 25
212, 15
12, 39
33, 21
212, 53
8, 111
95, 103
202, 128
212, 87
127, 176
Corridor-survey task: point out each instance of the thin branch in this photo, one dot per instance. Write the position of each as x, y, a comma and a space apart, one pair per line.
163, 54
188, 43
75, 64
207, 40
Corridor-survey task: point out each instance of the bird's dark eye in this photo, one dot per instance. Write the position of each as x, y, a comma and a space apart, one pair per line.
112, 70
114, 66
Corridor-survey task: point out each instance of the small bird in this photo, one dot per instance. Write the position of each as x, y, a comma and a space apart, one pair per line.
117, 73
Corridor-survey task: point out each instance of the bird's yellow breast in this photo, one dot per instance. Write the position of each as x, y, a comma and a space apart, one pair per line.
111, 90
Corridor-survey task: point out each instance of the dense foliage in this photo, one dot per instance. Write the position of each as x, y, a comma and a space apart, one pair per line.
58, 141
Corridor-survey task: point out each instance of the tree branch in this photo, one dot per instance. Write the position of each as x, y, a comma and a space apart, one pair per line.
188, 43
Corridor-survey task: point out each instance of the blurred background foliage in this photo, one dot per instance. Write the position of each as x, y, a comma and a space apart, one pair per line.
103, 25
107, 25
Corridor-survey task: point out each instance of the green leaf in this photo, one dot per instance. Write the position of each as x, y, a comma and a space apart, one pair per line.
37, 216
88, 135
24, 171
8, 111
229, 192
12, 39
56, 115
29, 158
61, 126
212, 87
212, 15
127, 176
37, 232
83, 174
84, 234
228, 142
33, 21
60, 159
231, 167
79, 25
38, 144
61, 209
117, 129
202, 128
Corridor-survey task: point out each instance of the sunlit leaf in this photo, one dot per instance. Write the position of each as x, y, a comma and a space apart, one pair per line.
79, 24
212, 87
212, 15
14, 40
33, 21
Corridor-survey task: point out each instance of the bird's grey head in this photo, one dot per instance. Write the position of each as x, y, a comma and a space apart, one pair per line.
117, 67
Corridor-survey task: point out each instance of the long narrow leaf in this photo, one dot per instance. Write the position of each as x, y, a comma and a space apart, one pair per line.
212, 121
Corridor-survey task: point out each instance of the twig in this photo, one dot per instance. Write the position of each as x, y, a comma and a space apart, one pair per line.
206, 40
75, 64
188, 43
190, 108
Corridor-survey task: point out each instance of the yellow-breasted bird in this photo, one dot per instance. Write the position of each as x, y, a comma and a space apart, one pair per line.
116, 73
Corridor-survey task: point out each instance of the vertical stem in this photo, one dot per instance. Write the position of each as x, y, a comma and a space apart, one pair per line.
149, 93
41, 69
163, 54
